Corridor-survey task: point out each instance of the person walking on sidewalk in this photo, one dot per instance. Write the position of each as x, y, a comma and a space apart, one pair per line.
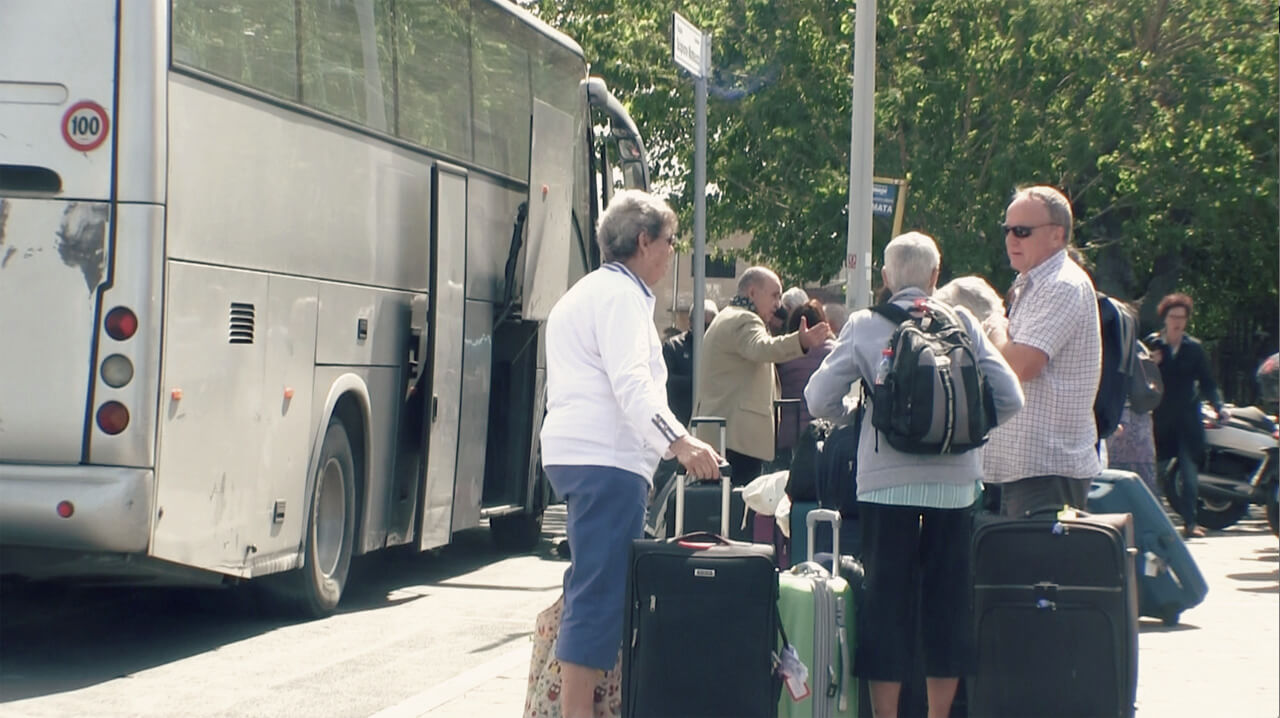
1179, 432
607, 425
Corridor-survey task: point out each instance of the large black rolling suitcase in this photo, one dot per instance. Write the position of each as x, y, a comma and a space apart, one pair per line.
701, 627
1169, 581
1055, 608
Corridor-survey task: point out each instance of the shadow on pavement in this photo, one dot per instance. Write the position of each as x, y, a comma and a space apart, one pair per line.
57, 637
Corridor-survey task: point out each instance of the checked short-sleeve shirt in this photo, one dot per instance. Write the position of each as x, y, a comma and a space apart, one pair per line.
1052, 308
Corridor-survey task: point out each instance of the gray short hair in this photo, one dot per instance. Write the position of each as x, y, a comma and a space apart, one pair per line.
793, 298
1057, 204
631, 212
708, 307
910, 260
973, 293
754, 276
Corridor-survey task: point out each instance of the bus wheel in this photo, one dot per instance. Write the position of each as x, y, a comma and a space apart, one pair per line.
314, 590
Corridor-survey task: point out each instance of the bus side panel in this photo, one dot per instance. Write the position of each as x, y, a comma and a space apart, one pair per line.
491, 216
211, 417
473, 421
359, 215
359, 328
448, 305
290, 430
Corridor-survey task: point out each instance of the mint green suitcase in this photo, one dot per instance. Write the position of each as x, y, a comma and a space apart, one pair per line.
817, 613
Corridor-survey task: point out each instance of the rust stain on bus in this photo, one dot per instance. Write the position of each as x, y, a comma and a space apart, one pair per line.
82, 240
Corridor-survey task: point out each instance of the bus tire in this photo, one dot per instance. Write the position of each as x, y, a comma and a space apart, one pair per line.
314, 590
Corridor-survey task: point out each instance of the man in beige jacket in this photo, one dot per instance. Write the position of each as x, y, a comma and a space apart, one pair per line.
736, 379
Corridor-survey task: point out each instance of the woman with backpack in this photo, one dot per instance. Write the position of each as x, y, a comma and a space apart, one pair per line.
916, 509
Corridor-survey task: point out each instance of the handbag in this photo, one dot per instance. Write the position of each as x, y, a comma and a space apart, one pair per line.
542, 699
1146, 386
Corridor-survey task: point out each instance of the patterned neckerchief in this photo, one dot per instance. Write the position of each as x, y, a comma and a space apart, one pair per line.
743, 302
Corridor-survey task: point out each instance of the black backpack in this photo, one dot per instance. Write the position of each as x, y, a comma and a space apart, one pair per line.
934, 398
824, 466
1128, 373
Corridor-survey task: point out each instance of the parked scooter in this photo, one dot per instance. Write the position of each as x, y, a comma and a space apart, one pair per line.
1238, 469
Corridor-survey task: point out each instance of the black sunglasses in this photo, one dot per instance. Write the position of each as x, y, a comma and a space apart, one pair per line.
1022, 231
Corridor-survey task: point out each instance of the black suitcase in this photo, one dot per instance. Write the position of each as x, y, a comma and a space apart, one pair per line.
1056, 616
703, 502
701, 628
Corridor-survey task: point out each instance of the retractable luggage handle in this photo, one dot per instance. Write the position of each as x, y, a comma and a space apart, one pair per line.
725, 474
832, 517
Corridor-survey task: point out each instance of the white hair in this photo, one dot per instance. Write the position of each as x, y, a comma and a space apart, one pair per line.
910, 260
793, 298
972, 293
631, 212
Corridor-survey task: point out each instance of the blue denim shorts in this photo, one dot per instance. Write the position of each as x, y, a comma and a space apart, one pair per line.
606, 508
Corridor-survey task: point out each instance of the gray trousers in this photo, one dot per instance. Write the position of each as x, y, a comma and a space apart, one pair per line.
1019, 498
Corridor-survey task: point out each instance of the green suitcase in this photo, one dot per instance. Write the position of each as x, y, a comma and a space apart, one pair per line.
817, 613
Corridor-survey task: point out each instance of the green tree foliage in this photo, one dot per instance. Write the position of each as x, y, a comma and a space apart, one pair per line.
1158, 119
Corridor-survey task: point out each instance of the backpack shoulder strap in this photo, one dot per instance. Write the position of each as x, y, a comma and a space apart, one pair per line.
892, 312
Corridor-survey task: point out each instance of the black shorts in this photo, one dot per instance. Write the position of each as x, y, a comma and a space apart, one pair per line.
918, 592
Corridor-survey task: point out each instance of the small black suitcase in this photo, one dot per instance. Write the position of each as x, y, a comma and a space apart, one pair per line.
701, 628
1056, 616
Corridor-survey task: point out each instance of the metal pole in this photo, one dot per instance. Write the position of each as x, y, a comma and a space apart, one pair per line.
699, 209
861, 157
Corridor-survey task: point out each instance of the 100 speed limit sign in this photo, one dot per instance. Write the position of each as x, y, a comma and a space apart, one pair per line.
84, 126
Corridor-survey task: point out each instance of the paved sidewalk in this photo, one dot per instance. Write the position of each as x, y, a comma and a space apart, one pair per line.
1222, 660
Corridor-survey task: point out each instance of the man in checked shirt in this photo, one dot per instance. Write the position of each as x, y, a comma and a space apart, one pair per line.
1046, 455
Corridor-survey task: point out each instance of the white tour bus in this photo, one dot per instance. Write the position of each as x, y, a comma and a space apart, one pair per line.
273, 277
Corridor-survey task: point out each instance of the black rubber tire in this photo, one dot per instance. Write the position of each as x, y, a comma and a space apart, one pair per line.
314, 590
1219, 515
1273, 516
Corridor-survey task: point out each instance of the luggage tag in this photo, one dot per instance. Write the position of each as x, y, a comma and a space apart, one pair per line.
794, 673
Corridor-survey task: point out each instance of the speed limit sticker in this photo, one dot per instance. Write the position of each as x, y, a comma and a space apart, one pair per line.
84, 126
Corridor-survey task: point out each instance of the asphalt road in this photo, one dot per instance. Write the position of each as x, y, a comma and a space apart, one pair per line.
446, 636
409, 625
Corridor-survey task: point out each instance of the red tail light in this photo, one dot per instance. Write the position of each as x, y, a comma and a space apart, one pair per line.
113, 417
121, 323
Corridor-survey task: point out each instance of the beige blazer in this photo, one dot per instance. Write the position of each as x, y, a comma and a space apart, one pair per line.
736, 380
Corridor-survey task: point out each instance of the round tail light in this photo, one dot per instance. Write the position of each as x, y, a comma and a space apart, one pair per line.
113, 417
121, 323
117, 370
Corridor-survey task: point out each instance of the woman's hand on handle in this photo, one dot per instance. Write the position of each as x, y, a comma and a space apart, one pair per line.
697, 457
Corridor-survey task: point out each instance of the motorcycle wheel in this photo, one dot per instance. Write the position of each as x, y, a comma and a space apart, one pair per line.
1273, 516
1218, 514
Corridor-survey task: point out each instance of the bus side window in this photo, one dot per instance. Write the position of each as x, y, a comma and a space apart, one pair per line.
346, 63
433, 53
503, 108
251, 42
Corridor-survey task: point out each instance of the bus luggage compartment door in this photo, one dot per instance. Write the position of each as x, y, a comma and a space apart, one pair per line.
445, 322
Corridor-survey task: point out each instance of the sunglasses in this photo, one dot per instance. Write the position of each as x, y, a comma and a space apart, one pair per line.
1022, 231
